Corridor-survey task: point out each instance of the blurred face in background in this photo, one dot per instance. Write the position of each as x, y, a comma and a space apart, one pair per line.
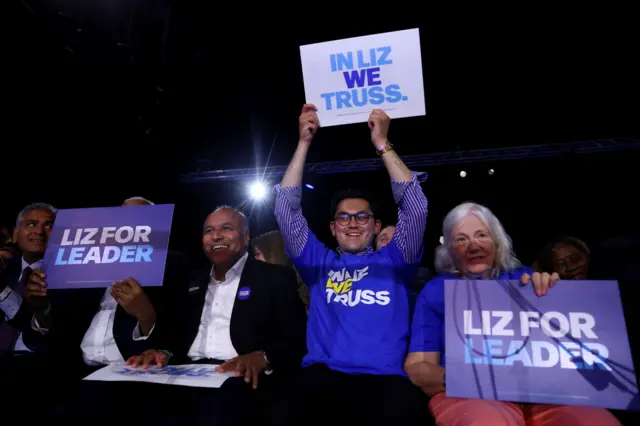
569, 262
475, 249
259, 254
5, 257
33, 232
384, 237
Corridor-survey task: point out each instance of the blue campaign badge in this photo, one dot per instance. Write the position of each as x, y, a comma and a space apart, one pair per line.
244, 293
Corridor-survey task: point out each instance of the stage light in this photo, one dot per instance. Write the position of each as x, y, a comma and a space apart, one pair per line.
491, 172
257, 190
463, 173
309, 186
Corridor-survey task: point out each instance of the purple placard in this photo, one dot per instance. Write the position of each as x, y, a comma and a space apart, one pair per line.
95, 247
505, 343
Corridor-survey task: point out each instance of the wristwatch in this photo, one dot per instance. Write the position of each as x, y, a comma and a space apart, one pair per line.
267, 368
386, 148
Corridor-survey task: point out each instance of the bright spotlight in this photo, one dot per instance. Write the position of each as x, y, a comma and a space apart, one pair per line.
463, 173
309, 186
257, 190
491, 172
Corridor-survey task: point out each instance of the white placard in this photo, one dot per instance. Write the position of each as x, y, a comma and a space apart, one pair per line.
347, 79
197, 375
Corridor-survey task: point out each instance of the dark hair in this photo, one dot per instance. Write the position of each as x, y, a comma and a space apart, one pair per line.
345, 194
545, 261
271, 244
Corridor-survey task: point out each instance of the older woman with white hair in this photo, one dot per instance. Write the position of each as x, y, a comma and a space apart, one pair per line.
476, 246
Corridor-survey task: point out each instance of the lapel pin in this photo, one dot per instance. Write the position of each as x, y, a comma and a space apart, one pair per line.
244, 293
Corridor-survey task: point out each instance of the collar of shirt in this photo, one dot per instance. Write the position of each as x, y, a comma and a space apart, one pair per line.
34, 265
364, 252
232, 273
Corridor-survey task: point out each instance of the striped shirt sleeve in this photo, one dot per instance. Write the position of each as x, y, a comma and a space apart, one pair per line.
291, 221
412, 218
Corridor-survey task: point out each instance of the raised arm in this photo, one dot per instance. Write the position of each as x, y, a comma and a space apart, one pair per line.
412, 203
293, 225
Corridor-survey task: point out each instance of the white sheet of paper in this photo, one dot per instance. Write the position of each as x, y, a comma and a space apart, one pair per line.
197, 375
347, 79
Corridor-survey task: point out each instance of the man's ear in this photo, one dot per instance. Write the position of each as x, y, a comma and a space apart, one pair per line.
332, 226
378, 226
15, 235
247, 238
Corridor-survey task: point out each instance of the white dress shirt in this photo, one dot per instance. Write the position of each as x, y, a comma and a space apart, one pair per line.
213, 340
11, 303
99, 344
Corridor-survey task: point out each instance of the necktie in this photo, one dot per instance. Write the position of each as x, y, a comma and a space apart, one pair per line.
24, 279
8, 334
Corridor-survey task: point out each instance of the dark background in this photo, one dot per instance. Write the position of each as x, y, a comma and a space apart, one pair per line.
115, 99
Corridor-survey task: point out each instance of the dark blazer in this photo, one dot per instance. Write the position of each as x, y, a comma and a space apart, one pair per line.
73, 311
272, 318
22, 320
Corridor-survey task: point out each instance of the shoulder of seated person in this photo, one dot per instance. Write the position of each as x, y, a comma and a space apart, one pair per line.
277, 270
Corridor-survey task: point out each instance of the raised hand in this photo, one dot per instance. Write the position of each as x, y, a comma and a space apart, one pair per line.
308, 123
135, 302
379, 125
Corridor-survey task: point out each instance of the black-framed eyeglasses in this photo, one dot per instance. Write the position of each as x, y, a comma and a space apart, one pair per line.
362, 218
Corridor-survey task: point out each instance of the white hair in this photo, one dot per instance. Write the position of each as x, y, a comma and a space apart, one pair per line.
245, 220
151, 203
505, 259
35, 206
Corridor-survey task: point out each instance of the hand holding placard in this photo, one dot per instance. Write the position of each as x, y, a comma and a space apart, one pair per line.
135, 302
505, 342
35, 292
308, 123
542, 282
379, 123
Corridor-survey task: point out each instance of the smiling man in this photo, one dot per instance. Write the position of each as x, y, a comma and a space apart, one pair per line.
33, 228
24, 318
238, 313
358, 328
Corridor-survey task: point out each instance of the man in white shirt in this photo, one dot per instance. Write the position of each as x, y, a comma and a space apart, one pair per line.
109, 325
239, 313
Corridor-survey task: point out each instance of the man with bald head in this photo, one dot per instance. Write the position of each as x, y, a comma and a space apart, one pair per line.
238, 313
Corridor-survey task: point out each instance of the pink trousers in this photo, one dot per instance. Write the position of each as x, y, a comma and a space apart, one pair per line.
467, 412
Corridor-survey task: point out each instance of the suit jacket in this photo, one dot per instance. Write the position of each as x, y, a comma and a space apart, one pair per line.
272, 318
22, 320
73, 311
